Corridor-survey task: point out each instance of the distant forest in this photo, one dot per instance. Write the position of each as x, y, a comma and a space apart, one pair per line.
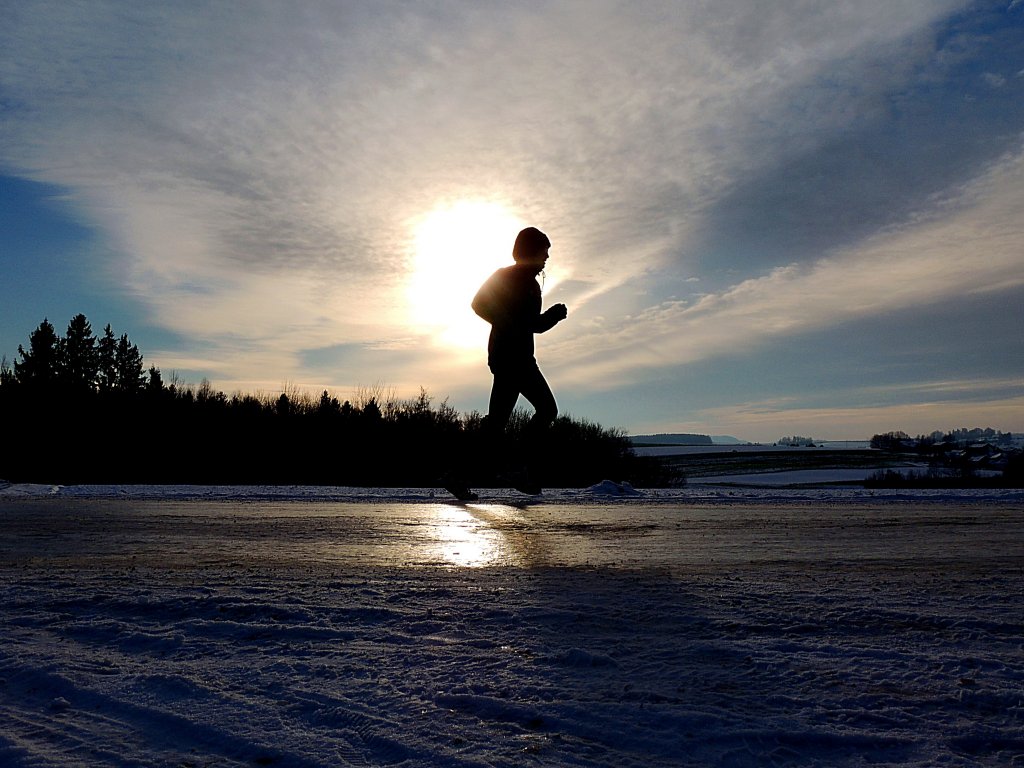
960, 458
82, 408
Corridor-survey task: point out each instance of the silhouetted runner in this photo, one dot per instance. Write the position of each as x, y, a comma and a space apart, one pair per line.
510, 300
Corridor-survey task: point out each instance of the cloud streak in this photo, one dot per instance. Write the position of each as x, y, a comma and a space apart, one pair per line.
255, 171
967, 245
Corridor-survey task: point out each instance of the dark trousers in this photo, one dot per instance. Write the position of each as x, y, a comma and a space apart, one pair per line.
511, 381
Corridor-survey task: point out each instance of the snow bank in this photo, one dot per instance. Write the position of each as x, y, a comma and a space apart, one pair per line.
611, 488
700, 490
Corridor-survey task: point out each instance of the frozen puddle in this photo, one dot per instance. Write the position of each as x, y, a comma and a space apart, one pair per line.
294, 632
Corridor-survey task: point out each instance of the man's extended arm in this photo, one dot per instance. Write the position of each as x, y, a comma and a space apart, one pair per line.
550, 318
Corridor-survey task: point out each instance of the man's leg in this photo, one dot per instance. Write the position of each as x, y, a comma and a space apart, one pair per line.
504, 393
528, 381
534, 387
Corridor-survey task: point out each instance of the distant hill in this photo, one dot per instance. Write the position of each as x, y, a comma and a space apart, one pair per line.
727, 440
676, 438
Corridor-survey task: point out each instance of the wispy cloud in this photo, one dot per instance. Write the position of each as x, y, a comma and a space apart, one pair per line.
293, 140
255, 169
859, 423
970, 244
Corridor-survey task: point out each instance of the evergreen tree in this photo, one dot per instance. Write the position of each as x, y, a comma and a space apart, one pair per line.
128, 363
328, 404
107, 360
39, 366
371, 411
80, 358
155, 383
284, 405
6, 374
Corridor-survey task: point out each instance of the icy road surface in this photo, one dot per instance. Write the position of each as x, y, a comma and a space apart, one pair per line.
190, 627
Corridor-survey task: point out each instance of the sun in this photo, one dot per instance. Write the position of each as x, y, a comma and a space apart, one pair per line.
455, 247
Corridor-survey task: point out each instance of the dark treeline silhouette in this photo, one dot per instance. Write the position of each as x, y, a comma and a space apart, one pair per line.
960, 458
939, 441
83, 409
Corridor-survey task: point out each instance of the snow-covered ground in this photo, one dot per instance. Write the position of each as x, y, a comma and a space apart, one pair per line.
784, 477
225, 626
789, 477
697, 450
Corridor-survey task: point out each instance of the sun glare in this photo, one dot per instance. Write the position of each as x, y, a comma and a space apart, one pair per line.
454, 249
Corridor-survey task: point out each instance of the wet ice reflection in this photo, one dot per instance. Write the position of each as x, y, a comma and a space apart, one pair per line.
460, 537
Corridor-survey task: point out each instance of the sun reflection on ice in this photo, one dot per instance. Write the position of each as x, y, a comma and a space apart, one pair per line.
465, 540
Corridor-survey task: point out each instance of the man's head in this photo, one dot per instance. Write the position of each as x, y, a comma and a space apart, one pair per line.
531, 247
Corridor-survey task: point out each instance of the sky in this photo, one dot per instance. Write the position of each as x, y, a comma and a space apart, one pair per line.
768, 218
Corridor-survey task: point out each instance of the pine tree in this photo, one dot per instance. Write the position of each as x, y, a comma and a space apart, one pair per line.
128, 364
80, 358
107, 360
40, 365
328, 404
155, 383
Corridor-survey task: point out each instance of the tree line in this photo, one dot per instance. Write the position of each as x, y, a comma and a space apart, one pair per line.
77, 363
938, 441
81, 408
960, 458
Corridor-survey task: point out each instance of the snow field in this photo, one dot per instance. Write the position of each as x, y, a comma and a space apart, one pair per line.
201, 634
